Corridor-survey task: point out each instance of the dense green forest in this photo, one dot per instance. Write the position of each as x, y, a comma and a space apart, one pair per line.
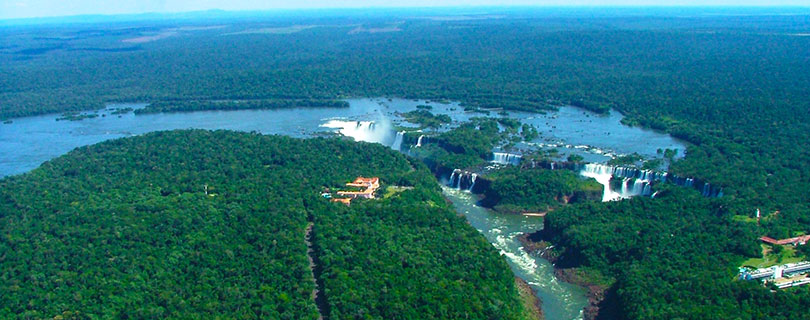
426, 119
199, 224
513, 190
430, 277
672, 257
470, 144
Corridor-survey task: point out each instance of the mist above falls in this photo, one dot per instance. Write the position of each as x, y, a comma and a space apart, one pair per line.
378, 131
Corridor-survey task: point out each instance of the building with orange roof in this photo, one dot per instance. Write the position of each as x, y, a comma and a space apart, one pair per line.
360, 182
370, 184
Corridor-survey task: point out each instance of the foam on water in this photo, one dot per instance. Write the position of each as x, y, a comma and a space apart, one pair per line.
560, 300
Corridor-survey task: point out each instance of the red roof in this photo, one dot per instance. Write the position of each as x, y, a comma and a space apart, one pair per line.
794, 240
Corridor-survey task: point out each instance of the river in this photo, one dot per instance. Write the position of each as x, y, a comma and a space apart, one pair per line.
560, 300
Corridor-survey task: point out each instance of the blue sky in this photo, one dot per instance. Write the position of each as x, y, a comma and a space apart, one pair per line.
10, 9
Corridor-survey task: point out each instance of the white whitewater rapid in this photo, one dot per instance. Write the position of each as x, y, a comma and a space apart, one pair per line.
603, 176
630, 187
369, 131
506, 158
397, 145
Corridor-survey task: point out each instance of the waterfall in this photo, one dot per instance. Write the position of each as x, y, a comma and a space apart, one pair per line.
506, 158
419, 141
625, 193
397, 145
638, 182
602, 174
462, 180
368, 131
640, 187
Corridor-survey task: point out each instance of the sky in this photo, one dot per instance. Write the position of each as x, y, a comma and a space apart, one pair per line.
13, 9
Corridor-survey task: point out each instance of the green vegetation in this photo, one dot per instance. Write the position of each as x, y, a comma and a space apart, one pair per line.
199, 224
391, 191
626, 160
529, 132
575, 158
774, 255
654, 164
76, 116
514, 190
467, 146
679, 245
410, 257
426, 119
736, 91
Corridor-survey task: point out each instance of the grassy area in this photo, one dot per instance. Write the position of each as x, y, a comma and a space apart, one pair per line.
788, 255
392, 190
741, 218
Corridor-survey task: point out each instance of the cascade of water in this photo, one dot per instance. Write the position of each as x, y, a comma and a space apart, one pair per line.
626, 193
397, 145
453, 177
462, 180
641, 187
706, 190
506, 158
419, 141
643, 180
368, 131
602, 174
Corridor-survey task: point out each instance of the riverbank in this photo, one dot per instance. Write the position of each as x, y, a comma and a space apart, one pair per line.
596, 292
531, 303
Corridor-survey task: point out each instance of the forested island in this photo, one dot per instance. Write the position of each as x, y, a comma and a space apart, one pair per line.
79, 234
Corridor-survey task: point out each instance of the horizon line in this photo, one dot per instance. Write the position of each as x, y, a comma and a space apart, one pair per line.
387, 8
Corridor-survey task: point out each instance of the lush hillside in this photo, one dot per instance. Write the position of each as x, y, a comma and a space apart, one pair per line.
672, 257
196, 224
537, 190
